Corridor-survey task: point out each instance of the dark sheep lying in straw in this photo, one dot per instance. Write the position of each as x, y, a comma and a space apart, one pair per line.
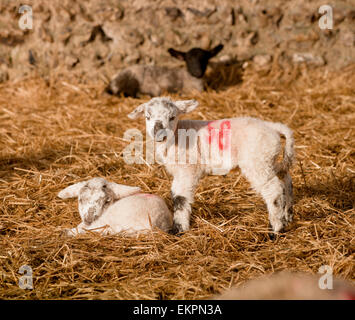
154, 80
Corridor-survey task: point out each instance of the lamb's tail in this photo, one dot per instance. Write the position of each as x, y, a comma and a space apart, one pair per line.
289, 153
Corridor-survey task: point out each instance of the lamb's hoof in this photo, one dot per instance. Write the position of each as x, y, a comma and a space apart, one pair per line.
109, 91
64, 232
272, 234
67, 233
177, 229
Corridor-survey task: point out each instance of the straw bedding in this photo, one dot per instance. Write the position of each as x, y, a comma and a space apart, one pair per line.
58, 131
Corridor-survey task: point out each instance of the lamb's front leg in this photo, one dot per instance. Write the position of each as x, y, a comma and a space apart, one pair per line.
75, 231
182, 192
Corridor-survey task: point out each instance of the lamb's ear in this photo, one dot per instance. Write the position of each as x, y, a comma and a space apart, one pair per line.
186, 106
122, 191
216, 50
71, 191
177, 54
137, 112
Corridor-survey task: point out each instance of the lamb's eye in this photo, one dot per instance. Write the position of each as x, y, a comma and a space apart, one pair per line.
108, 200
172, 118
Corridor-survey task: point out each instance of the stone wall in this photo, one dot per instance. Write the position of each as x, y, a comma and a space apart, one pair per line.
93, 39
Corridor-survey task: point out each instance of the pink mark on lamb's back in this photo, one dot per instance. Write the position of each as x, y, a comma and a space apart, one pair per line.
147, 195
222, 132
349, 296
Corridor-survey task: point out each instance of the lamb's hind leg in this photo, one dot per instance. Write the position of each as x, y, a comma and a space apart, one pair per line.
289, 197
275, 194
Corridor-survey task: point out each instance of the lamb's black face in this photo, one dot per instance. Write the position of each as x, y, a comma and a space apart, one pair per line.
196, 59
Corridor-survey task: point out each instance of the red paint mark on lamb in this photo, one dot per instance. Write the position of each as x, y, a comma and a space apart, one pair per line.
349, 296
148, 195
223, 134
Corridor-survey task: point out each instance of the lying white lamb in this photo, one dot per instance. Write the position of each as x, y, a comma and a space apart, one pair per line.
290, 286
249, 143
111, 208
155, 80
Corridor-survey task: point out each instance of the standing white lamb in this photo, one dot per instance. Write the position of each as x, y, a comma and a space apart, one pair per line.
249, 143
111, 208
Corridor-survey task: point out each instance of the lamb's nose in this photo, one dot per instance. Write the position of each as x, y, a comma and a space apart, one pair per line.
90, 216
158, 126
